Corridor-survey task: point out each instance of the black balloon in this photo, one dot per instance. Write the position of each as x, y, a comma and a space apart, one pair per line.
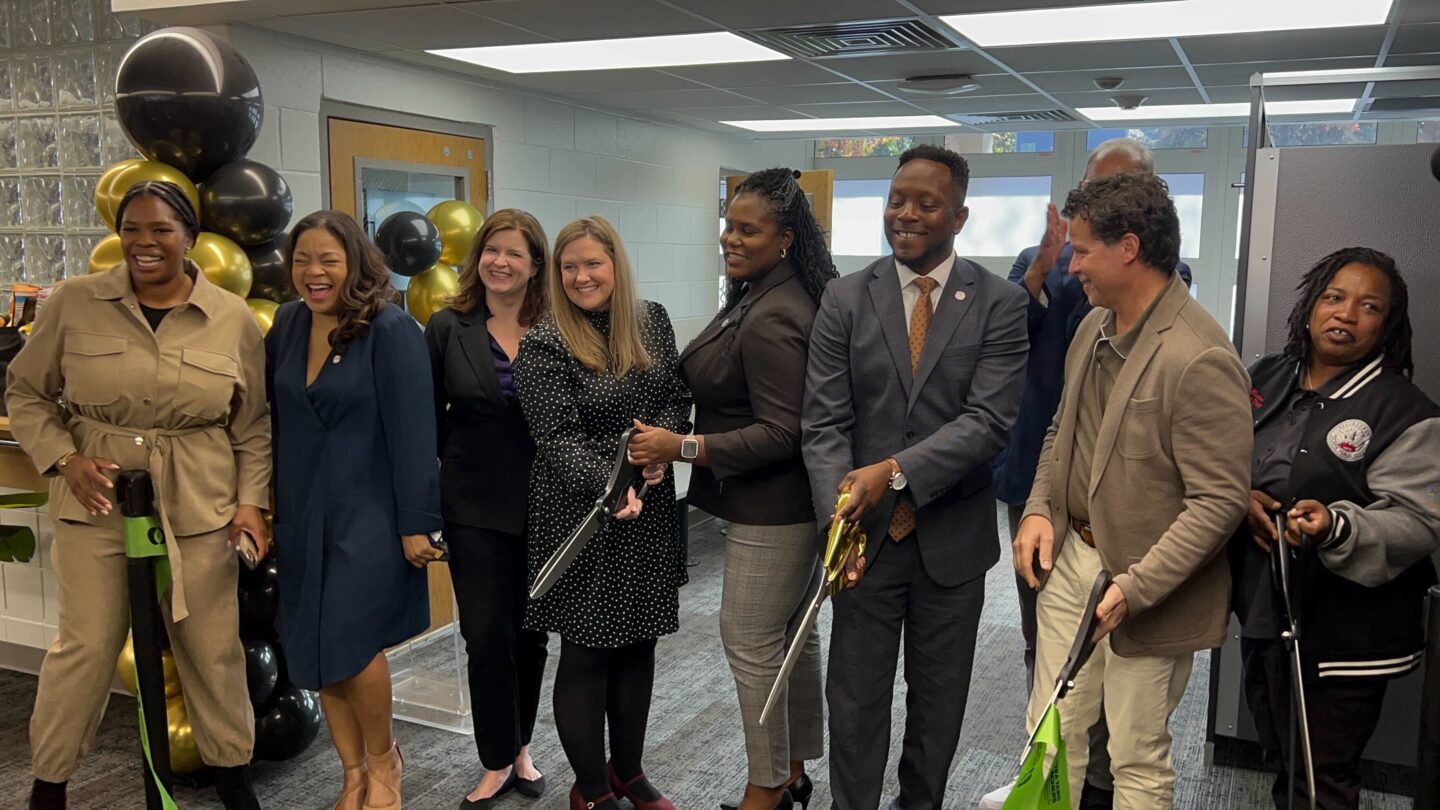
187, 98
259, 593
287, 724
262, 670
410, 242
271, 273
249, 203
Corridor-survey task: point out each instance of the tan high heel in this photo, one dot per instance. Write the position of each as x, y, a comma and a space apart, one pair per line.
382, 781
353, 797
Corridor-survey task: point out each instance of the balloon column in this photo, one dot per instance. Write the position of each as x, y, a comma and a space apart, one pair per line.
425, 248
191, 105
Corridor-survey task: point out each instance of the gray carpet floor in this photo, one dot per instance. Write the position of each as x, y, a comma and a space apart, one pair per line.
696, 750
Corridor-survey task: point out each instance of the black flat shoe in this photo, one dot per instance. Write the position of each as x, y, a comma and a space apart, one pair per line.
530, 788
489, 801
47, 795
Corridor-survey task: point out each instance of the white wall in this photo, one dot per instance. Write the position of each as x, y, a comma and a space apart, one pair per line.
659, 184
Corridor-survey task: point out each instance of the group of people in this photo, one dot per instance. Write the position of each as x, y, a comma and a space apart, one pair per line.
1089, 391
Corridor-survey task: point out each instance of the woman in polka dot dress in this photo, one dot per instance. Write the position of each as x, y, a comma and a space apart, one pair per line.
601, 360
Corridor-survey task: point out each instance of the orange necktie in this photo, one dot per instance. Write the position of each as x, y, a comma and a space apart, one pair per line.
902, 520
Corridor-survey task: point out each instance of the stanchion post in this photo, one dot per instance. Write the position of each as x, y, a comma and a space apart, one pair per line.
136, 496
1427, 761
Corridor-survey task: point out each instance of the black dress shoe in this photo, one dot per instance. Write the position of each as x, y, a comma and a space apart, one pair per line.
47, 795
489, 801
801, 790
1094, 798
531, 788
233, 787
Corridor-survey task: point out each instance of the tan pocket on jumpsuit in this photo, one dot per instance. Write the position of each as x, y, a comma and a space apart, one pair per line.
94, 368
207, 383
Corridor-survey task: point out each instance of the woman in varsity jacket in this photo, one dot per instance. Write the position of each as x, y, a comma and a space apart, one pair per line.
1344, 452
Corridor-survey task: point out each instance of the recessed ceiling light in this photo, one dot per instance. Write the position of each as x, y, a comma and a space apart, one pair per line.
882, 123
613, 54
1161, 20
1238, 109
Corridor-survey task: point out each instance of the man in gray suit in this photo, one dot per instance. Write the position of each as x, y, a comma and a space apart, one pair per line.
915, 371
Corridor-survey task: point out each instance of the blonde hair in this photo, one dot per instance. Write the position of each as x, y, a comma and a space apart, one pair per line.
472, 290
624, 352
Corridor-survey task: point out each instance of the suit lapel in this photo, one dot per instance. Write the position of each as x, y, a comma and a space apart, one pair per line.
474, 341
948, 315
890, 313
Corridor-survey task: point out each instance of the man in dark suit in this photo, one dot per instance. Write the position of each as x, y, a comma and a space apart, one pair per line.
1056, 307
913, 382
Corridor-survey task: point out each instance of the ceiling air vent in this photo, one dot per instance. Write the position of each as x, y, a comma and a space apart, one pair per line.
864, 38
1032, 117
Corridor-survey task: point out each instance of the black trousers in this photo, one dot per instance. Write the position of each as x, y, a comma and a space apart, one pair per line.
939, 625
1343, 713
506, 662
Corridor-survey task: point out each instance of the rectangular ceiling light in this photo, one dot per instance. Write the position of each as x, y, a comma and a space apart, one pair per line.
1162, 20
613, 54
1238, 109
874, 123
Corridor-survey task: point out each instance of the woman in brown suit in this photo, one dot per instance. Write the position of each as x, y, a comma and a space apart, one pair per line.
159, 370
747, 372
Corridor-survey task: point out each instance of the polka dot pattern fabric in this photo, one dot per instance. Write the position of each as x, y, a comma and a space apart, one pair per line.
624, 587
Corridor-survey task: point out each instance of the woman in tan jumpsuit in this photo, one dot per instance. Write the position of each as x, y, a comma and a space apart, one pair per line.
147, 366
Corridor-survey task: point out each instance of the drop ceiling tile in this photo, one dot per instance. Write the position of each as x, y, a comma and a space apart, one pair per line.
1076, 81
755, 74
1303, 92
757, 112
761, 14
1276, 45
569, 20
421, 27
1088, 56
1101, 98
1418, 38
300, 28
671, 99
1240, 72
1414, 60
602, 81
812, 93
1406, 89
901, 66
975, 106
857, 109
1421, 12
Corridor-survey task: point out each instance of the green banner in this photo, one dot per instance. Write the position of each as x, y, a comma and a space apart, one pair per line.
1035, 788
145, 539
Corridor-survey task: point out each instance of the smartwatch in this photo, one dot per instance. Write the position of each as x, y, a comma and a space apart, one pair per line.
897, 478
689, 448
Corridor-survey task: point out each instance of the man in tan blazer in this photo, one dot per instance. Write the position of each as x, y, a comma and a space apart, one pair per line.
1144, 473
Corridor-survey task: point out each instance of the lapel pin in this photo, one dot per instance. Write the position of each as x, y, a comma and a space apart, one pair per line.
959, 295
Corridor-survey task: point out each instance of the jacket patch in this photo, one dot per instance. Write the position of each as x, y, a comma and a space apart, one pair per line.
1349, 439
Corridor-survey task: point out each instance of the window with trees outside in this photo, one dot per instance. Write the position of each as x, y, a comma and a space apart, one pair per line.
882, 146
1152, 137
1335, 133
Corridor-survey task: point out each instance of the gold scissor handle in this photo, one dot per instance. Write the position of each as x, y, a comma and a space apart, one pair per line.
844, 536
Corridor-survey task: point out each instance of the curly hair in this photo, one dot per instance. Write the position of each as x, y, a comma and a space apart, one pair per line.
959, 169
168, 193
1395, 334
472, 289
787, 203
366, 288
1131, 202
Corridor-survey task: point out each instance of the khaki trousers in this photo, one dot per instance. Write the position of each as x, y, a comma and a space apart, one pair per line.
1139, 694
94, 614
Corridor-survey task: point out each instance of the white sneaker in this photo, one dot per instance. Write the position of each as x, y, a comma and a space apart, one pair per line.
995, 799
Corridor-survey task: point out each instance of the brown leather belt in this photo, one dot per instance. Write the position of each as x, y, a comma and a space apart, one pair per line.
1083, 529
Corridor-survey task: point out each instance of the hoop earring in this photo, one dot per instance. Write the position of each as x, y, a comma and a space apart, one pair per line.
782, 253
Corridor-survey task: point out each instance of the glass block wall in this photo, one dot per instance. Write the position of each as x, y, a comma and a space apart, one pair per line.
58, 131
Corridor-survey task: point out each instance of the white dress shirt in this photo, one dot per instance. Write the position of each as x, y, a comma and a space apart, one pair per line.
910, 293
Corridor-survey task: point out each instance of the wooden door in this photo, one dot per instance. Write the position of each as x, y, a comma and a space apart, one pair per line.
353, 145
818, 184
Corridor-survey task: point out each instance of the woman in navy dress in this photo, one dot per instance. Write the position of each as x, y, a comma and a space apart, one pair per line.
357, 491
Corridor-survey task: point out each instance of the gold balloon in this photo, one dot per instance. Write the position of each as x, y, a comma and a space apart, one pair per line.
184, 753
223, 262
120, 177
264, 312
125, 668
106, 254
430, 291
458, 222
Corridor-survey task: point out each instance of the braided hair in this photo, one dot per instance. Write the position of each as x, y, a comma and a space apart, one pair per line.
1395, 333
787, 203
168, 193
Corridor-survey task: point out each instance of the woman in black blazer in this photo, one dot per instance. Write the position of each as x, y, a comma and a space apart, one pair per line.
747, 372
485, 457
